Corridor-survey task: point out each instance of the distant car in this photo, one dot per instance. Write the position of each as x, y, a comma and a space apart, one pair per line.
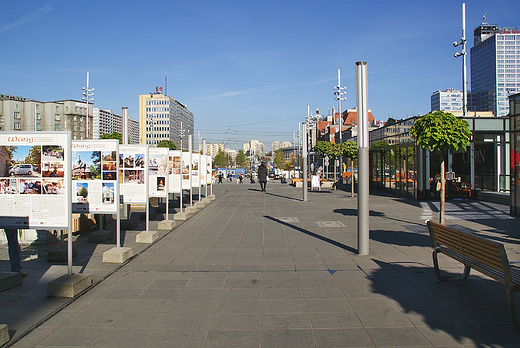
21, 169
272, 174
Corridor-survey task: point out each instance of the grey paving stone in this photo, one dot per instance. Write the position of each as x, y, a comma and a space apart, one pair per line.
339, 338
297, 338
232, 338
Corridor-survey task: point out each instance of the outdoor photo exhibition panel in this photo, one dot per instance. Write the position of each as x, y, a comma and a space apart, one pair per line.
186, 170
35, 181
174, 171
209, 166
202, 170
95, 170
158, 172
133, 173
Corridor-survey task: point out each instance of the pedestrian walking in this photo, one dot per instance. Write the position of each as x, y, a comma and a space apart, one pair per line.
14, 250
220, 178
262, 176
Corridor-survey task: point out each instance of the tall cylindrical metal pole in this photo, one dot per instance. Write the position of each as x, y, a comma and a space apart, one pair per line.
190, 151
180, 196
87, 106
464, 72
124, 132
205, 167
363, 159
304, 157
340, 124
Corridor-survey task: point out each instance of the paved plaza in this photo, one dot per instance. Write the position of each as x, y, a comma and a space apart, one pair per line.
256, 269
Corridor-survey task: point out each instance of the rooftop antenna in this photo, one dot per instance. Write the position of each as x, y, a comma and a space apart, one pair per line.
166, 83
484, 18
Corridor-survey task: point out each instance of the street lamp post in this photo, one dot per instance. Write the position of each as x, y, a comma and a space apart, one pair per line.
339, 92
463, 54
88, 94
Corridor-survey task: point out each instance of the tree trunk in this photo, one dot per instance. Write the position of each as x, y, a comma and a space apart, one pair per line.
441, 194
352, 177
334, 173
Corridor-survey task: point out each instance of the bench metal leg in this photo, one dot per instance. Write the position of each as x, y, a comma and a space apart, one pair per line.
467, 269
511, 306
465, 275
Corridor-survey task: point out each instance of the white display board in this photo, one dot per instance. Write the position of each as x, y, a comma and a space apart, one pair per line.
195, 179
133, 173
95, 176
174, 171
209, 171
35, 180
202, 170
158, 172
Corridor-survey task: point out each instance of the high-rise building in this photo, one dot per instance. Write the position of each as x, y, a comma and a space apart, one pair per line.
23, 114
106, 122
495, 68
275, 145
448, 100
160, 118
212, 148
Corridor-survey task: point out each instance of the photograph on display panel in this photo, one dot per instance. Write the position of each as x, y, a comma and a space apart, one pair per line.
133, 171
33, 181
94, 175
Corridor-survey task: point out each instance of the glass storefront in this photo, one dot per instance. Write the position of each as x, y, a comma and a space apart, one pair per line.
514, 161
399, 165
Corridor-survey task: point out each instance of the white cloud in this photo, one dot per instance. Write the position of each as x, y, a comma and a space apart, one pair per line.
28, 18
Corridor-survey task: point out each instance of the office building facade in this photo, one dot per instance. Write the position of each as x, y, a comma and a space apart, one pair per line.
106, 122
160, 118
448, 100
23, 114
495, 68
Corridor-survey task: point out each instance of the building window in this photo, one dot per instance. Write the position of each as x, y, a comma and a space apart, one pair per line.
57, 117
17, 125
17, 115
38, 127
56, 127
38, 116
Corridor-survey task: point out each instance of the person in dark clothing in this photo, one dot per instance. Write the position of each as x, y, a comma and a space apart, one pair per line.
220, 178
262, 176
15, 252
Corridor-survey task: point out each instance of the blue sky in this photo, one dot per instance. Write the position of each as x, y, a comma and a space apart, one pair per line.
246, 69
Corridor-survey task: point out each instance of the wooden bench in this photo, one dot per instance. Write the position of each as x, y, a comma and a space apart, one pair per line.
486, 256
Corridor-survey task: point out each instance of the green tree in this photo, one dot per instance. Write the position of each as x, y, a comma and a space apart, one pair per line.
168, 144
221, 159
241, 159
279, 159
350, 150
441, 131
333, 150
114, 135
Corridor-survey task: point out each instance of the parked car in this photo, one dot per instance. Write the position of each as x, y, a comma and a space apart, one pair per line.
21, 169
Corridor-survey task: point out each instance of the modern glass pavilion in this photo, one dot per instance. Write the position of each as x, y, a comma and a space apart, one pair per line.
398, 164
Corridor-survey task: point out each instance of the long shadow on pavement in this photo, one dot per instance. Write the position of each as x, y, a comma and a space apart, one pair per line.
312, 234
472, 312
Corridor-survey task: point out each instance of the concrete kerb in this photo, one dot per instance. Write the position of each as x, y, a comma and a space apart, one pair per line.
10, 280
4, 334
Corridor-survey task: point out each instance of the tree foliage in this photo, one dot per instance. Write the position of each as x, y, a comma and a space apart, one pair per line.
114, 135
349, 149
167, 144
327, 148
241, 159
279, 159
441, 131
221, 159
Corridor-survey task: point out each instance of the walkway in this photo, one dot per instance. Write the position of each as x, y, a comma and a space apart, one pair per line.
257, 269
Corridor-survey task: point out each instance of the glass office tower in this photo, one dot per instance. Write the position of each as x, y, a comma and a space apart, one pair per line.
495, 68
